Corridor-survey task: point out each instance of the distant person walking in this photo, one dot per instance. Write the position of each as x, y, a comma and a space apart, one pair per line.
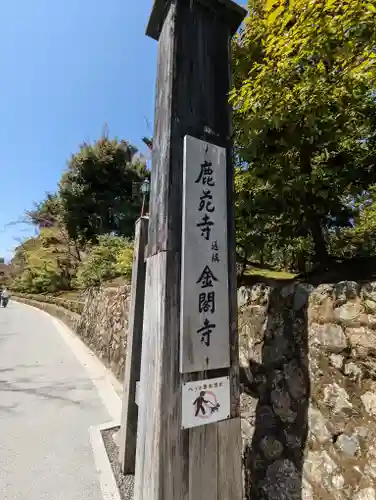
4, 297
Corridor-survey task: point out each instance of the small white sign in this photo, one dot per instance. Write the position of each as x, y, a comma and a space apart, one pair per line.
205, 402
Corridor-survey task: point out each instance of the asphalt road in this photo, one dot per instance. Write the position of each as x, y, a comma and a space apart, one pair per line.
47, 404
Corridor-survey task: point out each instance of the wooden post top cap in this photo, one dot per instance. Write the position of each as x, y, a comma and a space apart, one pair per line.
234, 14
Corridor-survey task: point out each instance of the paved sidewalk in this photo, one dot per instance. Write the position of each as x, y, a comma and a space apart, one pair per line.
47, 404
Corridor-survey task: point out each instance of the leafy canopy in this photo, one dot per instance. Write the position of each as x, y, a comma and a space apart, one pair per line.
79, 241
100, 191
304, 119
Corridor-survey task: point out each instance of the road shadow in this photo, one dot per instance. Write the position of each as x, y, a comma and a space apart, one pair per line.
273, 459
58, 391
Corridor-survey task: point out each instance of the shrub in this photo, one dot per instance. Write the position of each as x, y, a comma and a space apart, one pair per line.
110, 258
124, 262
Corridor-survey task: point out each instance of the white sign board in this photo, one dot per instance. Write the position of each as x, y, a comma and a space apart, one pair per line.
204, 328
205, 402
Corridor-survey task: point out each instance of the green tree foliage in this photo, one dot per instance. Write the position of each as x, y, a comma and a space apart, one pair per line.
124, 261
37, 265
358, 241
4, 273
110, 258
83, 227
80, 227
304, 122
43, 263
364, 230
47, 213
100, 191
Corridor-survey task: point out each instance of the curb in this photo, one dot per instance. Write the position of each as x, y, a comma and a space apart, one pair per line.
107, 479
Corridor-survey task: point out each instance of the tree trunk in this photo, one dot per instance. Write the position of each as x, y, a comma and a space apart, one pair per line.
262, 260
314, 221
301, 262
321, 252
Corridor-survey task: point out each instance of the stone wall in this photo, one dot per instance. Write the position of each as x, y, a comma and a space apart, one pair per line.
308, 380
103, 325
308, 359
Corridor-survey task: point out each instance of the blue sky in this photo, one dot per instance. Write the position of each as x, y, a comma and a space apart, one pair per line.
67, 67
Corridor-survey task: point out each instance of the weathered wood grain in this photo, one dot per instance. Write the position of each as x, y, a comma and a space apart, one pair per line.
129, 417
159, 186
229, 460
149, 454
203, 464
215, 468
191, 99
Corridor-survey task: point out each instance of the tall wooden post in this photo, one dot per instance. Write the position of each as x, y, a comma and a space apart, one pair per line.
129, 414
204, 462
